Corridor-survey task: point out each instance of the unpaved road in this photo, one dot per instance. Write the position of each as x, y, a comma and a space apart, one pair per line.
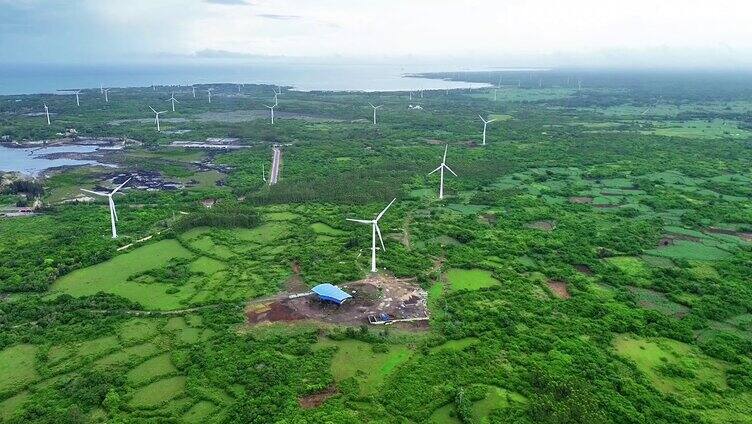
276, 159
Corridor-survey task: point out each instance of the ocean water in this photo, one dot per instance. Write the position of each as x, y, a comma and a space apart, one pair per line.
32, 162
30, 79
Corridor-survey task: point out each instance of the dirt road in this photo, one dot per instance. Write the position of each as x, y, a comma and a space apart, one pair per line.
276, 159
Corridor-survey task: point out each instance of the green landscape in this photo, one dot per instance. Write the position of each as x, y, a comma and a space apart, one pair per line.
592, 263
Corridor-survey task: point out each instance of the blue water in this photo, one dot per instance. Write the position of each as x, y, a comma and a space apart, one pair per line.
29, 161
30, 79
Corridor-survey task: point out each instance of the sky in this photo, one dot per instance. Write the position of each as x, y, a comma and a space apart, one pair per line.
637, 33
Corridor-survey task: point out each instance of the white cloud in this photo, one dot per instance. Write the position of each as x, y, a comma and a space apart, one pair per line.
379, 28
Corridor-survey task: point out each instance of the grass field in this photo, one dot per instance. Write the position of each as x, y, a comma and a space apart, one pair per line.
470, 279
112, 276
683, 249
154, 367
17, 368
158, 392
356, 359
650, 354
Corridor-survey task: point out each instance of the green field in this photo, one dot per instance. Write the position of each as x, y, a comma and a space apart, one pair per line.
470, 279
356, 359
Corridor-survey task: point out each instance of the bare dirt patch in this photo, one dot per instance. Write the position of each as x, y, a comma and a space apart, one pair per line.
542, 225
581, 200
584, 269
397, 298
316, 399
559, 289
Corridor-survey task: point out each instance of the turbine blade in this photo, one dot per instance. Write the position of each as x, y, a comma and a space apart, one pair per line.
94, 192
491, 120
384, 211
445, 152
450, 170
378, 231
434, 170
152, 109
362, 221
121, 186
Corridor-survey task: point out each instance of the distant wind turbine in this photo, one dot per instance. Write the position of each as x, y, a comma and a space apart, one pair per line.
374, 232
485, 124
156, 116
494, 94
173, 100
105, 91
101, 88
411, 95
113, 212
78, 102
271, 109
441, 168
276, 93
47, 112
193, 88
374, 111
209, 91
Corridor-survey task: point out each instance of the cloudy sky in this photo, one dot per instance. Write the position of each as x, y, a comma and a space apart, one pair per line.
491, 32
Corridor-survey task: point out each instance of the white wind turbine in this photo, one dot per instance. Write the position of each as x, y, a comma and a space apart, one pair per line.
156, 116
271, 109
276, 93
78, 102
209, 91
441, 168
173, 100
113, 212
374, 232
193, 88
374, 111
47, 113
105, 91
485, 124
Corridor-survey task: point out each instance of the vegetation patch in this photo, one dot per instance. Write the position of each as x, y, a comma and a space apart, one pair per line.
17, 368
470, 279
158, 392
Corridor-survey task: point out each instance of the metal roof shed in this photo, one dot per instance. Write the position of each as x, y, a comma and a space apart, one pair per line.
331, 293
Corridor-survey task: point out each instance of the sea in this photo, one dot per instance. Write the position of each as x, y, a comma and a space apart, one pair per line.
48, 78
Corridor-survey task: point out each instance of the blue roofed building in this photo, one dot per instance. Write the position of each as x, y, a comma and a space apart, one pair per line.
331, 293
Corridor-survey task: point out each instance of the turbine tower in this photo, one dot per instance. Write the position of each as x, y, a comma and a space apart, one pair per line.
156, 116
105, 91
209, 90
485, 124
441, 168
173, 100
374, 232
193, 88
276, 93
47, 113
374, 111
113, 212
78, 102
271, 109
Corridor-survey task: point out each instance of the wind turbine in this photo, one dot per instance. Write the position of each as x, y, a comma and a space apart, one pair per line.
193, 88
105, 91
47, 112
374, 111
101, 88
156, 116
441, 168
374, 232
173, 100
78, 103
271, 109
209, 90
113, 212
485, 124
276, 93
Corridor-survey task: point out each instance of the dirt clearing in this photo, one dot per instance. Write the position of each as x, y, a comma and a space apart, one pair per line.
559, 289
396, 298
